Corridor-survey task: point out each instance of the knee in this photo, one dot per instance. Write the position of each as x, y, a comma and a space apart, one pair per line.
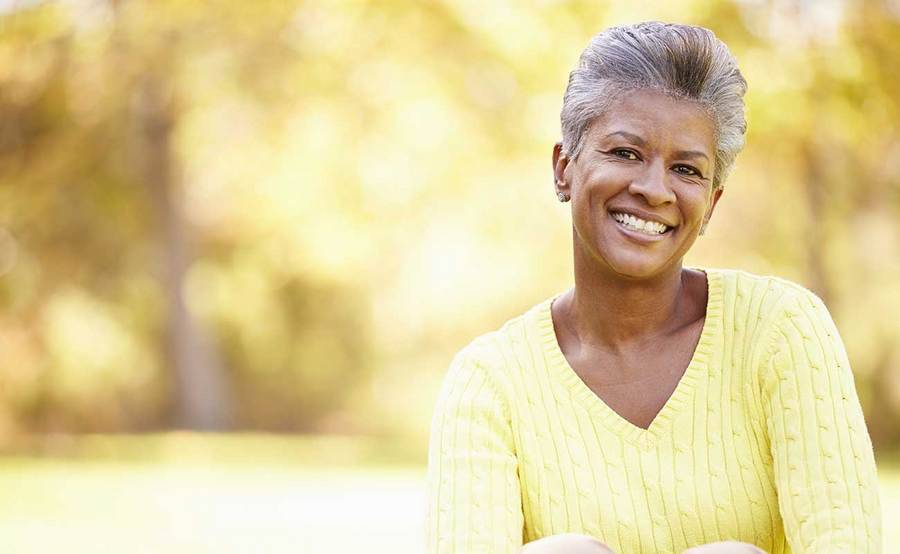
569, 543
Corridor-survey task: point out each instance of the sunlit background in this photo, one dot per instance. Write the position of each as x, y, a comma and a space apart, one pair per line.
240, 242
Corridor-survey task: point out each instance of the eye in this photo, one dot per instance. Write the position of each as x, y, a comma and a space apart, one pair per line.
624, 153
687, 170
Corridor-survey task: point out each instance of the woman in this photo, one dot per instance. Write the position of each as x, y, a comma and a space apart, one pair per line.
653, 407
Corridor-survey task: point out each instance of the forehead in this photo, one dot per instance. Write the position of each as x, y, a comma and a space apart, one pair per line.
658, 119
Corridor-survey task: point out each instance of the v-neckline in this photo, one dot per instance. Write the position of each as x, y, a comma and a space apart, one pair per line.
680, 397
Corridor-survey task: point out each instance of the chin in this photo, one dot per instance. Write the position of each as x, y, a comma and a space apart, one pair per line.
642, 268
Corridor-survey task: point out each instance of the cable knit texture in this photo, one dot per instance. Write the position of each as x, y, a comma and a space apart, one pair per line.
762, 441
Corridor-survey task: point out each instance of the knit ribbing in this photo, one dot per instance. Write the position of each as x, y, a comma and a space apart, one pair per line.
813, 417
762, 441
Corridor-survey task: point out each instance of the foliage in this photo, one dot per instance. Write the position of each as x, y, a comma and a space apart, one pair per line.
356, 188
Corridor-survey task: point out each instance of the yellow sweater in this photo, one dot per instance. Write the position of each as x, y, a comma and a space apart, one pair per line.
763, 440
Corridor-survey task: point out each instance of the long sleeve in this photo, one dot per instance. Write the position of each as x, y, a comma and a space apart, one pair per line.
474, 504
824, 467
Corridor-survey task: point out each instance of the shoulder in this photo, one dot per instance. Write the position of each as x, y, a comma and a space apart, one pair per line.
794, 322
497, 352
745, 282
759, 311
766, 297
786, 327
481, 374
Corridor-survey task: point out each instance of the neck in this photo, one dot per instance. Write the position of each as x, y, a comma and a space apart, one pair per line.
611, 312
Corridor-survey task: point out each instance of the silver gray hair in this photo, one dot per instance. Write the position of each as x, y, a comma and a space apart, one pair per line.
682, 61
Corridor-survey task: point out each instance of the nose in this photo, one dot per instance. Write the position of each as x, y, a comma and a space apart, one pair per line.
651, 184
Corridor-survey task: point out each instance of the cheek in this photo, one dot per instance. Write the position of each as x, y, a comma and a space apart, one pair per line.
695, 201
611, 174
595, 187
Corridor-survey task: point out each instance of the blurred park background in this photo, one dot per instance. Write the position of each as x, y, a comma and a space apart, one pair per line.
240, 242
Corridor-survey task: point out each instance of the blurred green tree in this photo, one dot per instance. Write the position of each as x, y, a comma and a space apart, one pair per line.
287, 216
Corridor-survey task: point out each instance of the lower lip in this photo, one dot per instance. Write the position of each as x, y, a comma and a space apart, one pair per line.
639, 236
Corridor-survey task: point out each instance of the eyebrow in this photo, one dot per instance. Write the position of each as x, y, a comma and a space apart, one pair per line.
628, 136
640, 142
691, 154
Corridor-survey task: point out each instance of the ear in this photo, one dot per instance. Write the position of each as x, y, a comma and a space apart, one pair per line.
560, 162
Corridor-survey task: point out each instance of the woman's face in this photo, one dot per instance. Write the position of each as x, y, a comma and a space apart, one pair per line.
641, 188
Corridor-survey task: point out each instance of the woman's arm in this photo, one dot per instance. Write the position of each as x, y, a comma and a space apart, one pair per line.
822, 455
473, 499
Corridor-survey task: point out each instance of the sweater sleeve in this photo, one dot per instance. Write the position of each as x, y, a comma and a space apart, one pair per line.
473, 500
824, 466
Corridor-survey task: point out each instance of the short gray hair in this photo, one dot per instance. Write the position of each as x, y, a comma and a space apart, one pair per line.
682, 61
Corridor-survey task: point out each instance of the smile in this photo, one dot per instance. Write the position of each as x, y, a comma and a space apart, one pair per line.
632, 223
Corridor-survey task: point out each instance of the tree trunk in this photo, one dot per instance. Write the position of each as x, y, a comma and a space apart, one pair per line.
200, 393
816, 191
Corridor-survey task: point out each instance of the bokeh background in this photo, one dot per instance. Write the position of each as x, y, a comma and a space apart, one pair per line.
240, 242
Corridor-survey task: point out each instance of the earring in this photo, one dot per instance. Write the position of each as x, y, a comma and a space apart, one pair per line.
563, 197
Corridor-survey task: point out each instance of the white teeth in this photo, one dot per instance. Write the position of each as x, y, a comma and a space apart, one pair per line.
637, 224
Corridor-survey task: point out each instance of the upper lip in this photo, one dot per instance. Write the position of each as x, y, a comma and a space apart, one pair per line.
642, 215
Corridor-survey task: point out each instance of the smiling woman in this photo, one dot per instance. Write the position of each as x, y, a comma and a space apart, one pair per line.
652, 407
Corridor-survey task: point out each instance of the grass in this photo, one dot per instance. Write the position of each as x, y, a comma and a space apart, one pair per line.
889, 478
211, 493
87, 507
229, 494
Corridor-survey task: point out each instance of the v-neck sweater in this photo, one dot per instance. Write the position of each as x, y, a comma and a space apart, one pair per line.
762, 441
